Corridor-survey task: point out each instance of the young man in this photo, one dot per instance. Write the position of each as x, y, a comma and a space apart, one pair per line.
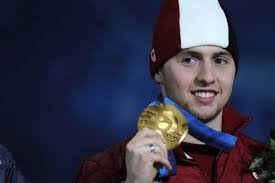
194, 58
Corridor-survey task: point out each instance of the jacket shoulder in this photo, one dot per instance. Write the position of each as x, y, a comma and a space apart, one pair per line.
250, 141
106, 166
251, 146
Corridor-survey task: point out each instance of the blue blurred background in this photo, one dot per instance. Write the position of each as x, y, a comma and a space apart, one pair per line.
74, 77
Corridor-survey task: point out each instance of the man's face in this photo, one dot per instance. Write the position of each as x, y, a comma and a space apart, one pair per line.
200, 79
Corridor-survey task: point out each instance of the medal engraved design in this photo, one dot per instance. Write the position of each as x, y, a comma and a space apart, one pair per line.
167, 120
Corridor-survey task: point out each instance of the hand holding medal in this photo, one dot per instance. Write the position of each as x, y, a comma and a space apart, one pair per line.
170, 123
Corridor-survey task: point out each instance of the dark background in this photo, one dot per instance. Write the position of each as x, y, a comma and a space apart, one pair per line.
74, 77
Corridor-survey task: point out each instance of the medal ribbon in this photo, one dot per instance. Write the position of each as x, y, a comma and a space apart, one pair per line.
219, 140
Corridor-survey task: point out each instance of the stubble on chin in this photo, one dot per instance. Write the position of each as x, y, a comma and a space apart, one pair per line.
203, 116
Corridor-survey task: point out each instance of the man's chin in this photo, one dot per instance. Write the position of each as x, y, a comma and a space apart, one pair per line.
207, 118
204, 115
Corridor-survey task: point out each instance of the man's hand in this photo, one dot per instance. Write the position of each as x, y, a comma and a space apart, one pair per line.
141, 161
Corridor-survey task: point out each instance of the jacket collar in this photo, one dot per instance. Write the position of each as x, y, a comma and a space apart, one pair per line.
232, 122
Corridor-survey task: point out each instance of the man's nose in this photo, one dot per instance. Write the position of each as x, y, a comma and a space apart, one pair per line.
206, 75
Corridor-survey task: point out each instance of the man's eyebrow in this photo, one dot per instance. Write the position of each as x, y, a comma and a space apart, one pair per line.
193, 53
222, 53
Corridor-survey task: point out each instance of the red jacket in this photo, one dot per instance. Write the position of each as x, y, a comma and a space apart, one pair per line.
109, 166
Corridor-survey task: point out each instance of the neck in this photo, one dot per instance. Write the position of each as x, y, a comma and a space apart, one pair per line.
215, 124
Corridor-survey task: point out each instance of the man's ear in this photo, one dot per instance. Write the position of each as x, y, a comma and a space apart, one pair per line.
158, 77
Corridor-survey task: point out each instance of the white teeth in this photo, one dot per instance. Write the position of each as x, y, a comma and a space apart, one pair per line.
205, 94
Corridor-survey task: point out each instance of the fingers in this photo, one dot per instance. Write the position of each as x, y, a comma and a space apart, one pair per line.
155, 157
148, 136
158, 145
144, 153
139, 145
163, 161
146, 132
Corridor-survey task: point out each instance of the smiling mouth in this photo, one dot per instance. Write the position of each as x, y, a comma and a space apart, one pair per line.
205, 93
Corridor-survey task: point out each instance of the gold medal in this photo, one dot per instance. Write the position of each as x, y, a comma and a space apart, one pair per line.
167, 120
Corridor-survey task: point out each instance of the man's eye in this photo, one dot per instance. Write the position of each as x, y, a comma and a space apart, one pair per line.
220, 61
188, 61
